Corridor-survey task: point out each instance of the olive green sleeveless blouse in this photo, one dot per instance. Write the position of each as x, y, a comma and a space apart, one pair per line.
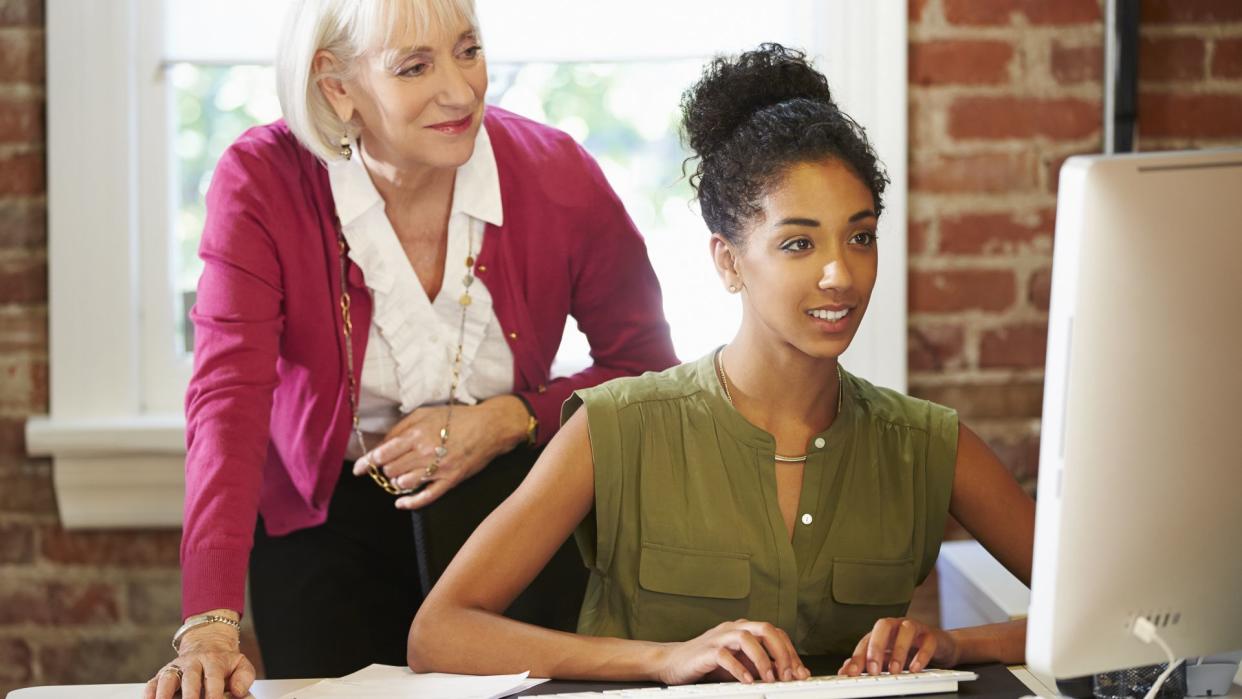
686, 531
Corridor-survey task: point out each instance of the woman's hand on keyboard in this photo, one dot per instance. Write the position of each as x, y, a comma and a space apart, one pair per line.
746, 651
894, 641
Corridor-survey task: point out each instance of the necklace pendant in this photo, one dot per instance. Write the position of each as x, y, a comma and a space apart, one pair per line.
465, 299
441, 452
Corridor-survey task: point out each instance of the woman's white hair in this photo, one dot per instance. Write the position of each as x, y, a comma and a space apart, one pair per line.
347, 29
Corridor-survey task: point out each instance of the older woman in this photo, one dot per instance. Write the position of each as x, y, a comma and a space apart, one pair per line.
388, 273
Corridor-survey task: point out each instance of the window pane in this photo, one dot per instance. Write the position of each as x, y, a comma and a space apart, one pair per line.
625, 114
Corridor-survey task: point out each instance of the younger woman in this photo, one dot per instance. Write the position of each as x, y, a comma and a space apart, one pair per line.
761, 502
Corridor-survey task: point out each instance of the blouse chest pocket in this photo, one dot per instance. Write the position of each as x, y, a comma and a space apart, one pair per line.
683, 592
872, 582
863, 591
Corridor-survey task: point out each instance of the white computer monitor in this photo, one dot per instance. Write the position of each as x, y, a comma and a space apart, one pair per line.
1139, 509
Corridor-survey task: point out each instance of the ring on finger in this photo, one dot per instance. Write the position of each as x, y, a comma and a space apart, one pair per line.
173, 667
431, 470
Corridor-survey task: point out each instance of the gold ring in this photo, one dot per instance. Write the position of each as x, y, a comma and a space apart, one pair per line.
431, 471
174, 668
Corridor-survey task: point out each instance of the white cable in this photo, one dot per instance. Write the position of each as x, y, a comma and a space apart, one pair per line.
1147, 633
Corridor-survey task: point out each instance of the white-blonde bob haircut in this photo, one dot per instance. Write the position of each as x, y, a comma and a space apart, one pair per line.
347, 29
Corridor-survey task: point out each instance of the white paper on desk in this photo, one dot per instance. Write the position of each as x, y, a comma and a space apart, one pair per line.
390, 681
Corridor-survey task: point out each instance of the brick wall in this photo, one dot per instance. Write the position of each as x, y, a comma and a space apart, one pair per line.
1001, 91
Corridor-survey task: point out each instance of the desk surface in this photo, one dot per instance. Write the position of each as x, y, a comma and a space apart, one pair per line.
995, 682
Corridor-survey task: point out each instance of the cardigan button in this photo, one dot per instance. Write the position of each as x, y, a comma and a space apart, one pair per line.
512, 336
480, 269
542, 389
807, 519
819, 442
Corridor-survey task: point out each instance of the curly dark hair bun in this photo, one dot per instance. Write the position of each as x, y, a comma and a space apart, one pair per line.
732, 90
751, 117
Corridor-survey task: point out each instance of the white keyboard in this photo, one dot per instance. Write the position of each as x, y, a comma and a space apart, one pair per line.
823, 687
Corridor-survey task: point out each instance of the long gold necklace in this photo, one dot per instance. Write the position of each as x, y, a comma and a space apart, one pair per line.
724, 384
347, 325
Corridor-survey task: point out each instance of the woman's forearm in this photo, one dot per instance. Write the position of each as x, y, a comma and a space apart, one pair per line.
994, 643
498, 645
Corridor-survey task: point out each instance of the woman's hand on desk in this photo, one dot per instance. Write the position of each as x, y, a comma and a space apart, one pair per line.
746, 651
476, 435
896, 644
210, 662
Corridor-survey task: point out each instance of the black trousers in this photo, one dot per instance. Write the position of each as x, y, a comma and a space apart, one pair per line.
332, 599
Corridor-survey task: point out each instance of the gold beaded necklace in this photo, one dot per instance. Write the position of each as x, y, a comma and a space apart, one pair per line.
347, 325
724, 384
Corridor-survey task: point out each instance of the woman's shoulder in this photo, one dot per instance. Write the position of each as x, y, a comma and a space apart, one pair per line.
675, 383
566, 173
621, 395
885, 405
266, 153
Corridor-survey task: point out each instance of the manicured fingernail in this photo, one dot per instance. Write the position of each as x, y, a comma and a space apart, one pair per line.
894, 667
873, 668
747, 678
804, 672
914, 666
787, 675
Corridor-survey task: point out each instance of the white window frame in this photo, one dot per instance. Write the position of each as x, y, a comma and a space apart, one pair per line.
115, 430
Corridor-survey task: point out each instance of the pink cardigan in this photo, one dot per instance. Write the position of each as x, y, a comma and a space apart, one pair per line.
267, 413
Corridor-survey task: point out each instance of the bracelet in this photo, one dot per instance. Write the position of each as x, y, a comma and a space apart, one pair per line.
201, 620
532, 424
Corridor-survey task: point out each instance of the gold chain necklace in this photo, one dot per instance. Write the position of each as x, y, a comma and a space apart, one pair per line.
724, 383
464, 301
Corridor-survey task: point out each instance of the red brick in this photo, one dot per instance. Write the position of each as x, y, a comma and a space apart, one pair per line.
21, 13
961, 290
960, 62
1040, 293
12, 440
22, 58
22, 174
1011, 399
1023, 117
995, 234
1077, 64
978, 173
1227, 59
112, 548
59, 604
915, 9
23, 330
23, 224
1166, 115
23, 279
917, 242
1018, 346
21, 120
935, 347
1176, 58
15, 661
27, 491
999, 12
16, 544
1179, 11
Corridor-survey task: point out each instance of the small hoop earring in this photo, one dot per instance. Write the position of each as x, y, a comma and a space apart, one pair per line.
732, 289
347, 150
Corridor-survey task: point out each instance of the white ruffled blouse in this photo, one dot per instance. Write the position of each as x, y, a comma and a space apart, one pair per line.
412, 339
